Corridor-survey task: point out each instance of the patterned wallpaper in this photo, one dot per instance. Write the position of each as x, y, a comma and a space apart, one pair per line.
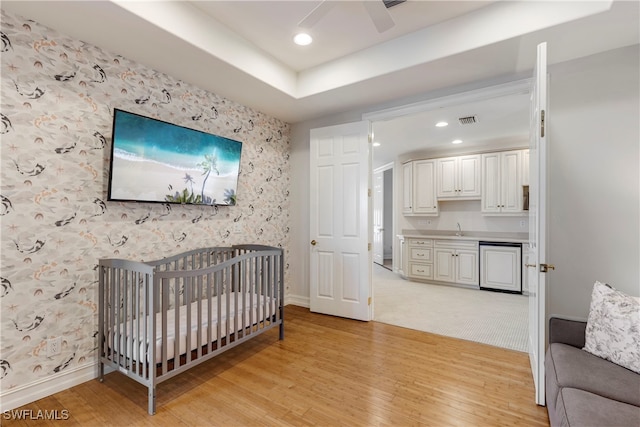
58, 96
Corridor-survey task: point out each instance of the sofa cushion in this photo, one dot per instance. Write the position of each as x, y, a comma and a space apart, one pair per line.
569, 366
613, 327
580, 408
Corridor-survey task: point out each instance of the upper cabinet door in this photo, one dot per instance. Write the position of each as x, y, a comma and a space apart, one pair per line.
447, 170
511, 183
502, 182
459, 177
491, 195
407, 188
424, 188
469, 176
525, 167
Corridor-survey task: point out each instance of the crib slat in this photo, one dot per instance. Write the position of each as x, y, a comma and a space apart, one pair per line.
165, 320
187, 281
199, 297
218, 289
119, 316
176, 324
243, 291
227, 303
236, 285
264, 279
209, 314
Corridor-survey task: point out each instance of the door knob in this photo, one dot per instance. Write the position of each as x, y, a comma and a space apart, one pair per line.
313, 243
546, 267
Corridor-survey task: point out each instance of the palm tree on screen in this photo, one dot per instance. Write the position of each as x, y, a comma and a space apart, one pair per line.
209, 164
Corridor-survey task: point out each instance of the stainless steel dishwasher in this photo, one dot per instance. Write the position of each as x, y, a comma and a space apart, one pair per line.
501, 266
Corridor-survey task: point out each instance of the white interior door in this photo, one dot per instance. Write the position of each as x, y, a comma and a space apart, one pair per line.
537, 223
340, 258
378, 217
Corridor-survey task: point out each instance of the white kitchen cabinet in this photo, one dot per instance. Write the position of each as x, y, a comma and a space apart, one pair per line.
456, 262
420, 258
407, 188
501, 267
419, 188
401, 264
525, 167
458, 177
502, 182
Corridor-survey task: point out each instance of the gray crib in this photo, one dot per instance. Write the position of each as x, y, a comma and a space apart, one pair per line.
157, 319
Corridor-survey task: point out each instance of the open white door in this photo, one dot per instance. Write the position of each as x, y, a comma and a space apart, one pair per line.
340, 259
536, 265
378, 217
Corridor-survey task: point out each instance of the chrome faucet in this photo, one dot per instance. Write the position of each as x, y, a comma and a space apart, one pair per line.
459, 232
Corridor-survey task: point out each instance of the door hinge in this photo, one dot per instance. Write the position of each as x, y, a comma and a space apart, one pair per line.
369, 246
369, 301
542, 124
369, 192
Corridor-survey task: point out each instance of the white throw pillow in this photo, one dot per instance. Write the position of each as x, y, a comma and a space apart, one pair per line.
613, 327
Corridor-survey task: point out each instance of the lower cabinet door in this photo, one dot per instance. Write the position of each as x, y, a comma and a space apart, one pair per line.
444, 265
467, 272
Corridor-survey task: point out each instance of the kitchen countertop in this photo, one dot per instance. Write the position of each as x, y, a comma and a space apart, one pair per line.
485, 236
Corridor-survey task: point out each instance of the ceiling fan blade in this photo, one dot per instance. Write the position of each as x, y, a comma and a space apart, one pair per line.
379, 15
316, 14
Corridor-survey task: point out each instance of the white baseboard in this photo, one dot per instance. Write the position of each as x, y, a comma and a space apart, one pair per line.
22, 395
297, 300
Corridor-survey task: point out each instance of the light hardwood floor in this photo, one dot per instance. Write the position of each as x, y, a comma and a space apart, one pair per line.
328, 371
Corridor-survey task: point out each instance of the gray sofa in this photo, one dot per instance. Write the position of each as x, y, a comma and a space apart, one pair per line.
583, 389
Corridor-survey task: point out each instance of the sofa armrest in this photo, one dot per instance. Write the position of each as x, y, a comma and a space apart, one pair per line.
567, 332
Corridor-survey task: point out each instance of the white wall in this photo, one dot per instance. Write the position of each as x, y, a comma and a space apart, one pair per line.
594, 183
593, 178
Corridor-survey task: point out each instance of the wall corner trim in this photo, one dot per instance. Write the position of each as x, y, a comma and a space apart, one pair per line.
298, 300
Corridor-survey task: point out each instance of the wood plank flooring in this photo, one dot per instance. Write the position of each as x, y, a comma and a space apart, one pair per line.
328, 371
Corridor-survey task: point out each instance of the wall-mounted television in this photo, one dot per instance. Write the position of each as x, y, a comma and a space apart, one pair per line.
157, 161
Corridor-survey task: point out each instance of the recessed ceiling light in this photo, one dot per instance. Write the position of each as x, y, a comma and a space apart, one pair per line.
442, 124
456, 141
302, 39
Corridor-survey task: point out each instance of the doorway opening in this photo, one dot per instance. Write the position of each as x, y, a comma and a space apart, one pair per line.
502, 124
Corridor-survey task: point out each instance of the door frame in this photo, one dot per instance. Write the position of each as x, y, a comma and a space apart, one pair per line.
384, 168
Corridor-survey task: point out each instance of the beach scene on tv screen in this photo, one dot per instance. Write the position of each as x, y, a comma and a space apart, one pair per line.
157, 161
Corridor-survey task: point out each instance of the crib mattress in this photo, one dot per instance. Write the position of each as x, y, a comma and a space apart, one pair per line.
133, 345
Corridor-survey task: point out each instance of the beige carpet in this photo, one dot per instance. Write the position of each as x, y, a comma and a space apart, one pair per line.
492, 318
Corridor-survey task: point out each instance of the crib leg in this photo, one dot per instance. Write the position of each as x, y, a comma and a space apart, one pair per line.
152, 400
100, 371
281, 331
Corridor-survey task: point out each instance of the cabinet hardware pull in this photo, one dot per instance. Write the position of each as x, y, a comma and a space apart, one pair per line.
313, 243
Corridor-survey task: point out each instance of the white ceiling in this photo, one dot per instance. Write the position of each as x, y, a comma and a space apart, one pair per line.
502, 122
344, 30
242, 50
